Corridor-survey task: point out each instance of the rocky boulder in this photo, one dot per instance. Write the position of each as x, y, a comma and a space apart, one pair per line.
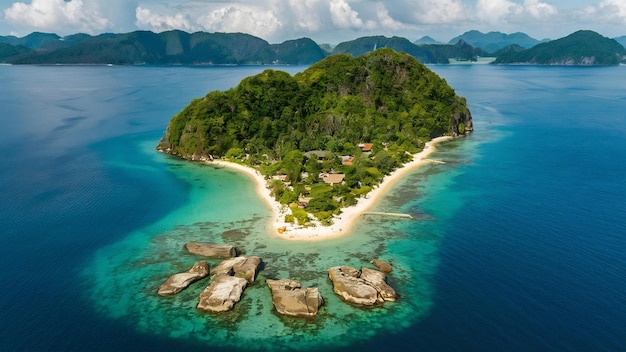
211, 250
292, 300
244, 267
378, 280
178, 282
382, 266
348, 285
222, 294
365, 287
248, 269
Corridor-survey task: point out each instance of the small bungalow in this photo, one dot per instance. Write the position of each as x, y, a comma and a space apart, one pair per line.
366, 147
332, 179
347, 160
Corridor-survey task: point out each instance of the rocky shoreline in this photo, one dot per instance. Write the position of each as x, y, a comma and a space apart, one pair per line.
230, 278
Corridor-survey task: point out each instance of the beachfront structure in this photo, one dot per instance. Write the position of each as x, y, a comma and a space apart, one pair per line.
332, 179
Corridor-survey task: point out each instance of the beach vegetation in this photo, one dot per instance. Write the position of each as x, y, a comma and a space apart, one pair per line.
301, 216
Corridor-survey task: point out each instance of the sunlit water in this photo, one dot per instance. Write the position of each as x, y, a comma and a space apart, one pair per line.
517, 243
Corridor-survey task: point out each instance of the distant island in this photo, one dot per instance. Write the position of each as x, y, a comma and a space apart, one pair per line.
177, 47
492, 42
323, 139
582, 48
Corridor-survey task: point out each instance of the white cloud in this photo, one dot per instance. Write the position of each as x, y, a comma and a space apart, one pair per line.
344, 17
148, 19
540, 10
57, 15
306, 15
385, 20
493, 11
505, 11
247, 19
441, 12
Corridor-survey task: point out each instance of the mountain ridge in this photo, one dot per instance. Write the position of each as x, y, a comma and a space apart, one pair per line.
176, 47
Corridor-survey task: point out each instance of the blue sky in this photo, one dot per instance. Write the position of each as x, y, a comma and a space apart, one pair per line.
325, 21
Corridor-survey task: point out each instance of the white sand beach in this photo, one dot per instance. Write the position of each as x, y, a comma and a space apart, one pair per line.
343, 223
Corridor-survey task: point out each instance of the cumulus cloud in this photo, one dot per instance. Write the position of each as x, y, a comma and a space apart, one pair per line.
493, 11
385, 20
344, 17
248, 19
306, 14
159, 23
58, 15
441, 12
540, 10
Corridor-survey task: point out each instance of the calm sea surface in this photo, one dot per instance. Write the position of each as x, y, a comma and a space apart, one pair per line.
519, 242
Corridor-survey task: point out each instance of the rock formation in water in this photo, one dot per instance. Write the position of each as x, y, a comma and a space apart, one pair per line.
382, 266
222, 294
365, 287
244, 267
211, 250
292, 300
378, 280
178, 282
248, 269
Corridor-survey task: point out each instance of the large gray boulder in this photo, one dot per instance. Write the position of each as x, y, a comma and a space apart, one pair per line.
222, 294
244, 267
178, 282
292, 300
211, 250
378, 280
348, 285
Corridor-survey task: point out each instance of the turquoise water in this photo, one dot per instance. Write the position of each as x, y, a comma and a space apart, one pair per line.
123, 278
517, 243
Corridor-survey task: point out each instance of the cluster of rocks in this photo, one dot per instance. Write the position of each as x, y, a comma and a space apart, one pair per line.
363, 287
230, 279
292, 300
234, 274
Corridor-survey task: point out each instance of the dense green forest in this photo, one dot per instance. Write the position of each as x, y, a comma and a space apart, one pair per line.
579, 48
271, 120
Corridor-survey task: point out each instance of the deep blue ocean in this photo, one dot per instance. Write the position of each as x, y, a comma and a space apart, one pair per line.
519, 242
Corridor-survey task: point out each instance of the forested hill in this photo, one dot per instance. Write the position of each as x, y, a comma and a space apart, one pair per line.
358, 119
383, 97
583, 48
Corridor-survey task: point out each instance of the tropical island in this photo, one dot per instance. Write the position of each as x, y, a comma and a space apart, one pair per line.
581, 48
320, 141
